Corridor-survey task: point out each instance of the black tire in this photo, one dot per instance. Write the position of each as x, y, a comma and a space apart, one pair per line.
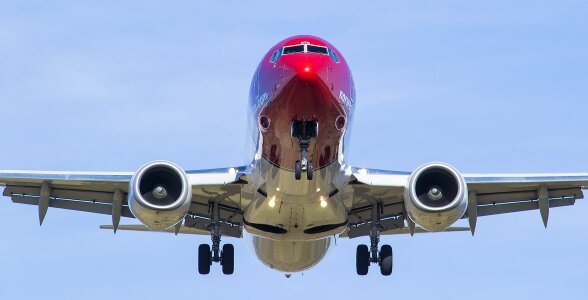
204, 259
298, 170
228, 259
386, 260
362, 260
309, 170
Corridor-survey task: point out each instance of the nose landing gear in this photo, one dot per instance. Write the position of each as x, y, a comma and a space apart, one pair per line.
304, 131
300, 167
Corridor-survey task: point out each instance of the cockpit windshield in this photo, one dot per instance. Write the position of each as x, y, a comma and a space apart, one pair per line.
304, 48
293, 49
317, 49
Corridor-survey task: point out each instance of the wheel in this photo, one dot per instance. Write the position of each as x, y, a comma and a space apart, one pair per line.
362, 260
204, 259
386, 260
309, 170
228, 259
298, 170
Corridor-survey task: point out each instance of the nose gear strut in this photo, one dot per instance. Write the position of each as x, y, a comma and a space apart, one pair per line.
304, 131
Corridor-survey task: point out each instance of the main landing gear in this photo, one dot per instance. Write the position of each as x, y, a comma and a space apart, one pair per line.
366, 256
206, 256
304, 131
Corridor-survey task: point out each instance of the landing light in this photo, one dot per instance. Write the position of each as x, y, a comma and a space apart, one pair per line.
323, 202
272, 201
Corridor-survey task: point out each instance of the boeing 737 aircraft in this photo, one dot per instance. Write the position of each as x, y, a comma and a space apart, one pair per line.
297, 190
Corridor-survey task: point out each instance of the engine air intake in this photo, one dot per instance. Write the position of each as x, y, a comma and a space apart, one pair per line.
436, 187
161, 186
160, 195
435, 196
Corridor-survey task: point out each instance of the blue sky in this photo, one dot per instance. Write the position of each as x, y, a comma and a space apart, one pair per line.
488, 86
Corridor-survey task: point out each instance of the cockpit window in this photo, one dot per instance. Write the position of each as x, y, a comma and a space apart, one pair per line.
333, 56
316, 49
307, 48
276, 55
293, 49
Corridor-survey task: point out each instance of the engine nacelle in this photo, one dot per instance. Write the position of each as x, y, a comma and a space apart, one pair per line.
160, 195
436, 196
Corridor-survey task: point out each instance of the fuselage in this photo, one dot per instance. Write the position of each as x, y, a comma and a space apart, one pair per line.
301, 80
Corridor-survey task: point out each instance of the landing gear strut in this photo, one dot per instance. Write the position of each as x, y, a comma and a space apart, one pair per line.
304, 131
206, 256
366, 256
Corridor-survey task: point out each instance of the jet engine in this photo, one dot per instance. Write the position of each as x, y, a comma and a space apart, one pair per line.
435, 196
160, 195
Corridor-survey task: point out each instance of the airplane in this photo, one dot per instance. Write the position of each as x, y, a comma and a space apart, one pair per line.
296, 191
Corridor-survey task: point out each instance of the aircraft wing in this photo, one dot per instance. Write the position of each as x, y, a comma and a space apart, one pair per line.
489, 194
100, 192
